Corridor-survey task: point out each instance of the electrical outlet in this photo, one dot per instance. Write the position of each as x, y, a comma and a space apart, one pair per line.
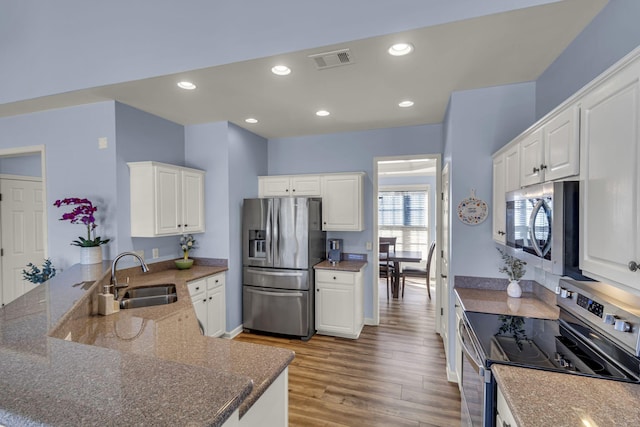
103, 143
369, 246
154, 253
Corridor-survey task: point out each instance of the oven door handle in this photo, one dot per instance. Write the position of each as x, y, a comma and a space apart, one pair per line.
471, 353
292, 294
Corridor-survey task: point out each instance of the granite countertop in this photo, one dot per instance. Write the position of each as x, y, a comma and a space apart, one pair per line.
497, 302
489, 295
139, 366
353, 266
540, 398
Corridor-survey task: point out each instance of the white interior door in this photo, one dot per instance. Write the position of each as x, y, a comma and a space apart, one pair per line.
443, 293
21, 214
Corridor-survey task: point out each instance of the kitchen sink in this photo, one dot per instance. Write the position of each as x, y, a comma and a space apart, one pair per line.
150, 291
146, 296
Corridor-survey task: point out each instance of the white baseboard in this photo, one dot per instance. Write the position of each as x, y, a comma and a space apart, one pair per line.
232, 334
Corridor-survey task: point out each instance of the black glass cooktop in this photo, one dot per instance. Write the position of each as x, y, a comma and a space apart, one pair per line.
542, 344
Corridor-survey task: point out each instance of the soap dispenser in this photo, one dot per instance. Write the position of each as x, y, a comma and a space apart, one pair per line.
106, 302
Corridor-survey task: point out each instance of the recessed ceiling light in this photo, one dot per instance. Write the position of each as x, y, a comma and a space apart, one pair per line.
186, 85
281, 70
322, 113
405, 104
251, 120
400, 49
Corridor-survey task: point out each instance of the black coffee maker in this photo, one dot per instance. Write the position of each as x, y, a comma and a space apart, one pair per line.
335, 250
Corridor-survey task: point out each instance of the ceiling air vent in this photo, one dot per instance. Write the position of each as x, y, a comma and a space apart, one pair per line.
331, 59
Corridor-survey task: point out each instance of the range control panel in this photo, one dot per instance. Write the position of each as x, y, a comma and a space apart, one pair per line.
590, 305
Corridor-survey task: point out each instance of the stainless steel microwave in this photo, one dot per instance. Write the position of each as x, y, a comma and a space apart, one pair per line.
542, 224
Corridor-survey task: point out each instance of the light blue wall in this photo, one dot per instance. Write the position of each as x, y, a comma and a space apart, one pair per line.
479, 122
612, 34
55, 47
247, 160
29, 165
233, 159
141, 136
352, 152
75, 167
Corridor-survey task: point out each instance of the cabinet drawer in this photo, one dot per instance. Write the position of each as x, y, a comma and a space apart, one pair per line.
332, 276
215, 281
197, 287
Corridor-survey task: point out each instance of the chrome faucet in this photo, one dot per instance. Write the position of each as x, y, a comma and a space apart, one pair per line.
114, 281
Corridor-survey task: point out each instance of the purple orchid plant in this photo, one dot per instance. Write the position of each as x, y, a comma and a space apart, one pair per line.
82, 213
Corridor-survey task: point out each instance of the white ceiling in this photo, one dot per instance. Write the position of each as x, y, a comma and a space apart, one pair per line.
493, 50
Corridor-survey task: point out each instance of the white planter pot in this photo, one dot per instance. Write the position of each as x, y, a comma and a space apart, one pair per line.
91, 255
514, 290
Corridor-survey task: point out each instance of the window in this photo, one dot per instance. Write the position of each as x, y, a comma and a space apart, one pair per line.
403, 212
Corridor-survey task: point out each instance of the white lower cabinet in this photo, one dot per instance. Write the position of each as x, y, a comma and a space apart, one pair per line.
339, 303
504, 416
208, 298
272, 408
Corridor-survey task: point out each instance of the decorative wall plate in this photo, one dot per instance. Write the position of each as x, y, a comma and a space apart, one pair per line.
472, 211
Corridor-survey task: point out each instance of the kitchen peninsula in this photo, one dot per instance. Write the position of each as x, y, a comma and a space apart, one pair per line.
64, 365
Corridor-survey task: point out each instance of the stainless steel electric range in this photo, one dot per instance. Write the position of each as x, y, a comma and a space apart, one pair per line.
597, 335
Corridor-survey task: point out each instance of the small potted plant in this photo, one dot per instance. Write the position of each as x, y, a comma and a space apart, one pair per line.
83, 213
187, 243
514, 268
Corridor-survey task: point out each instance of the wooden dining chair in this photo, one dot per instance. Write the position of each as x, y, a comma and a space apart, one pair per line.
391, 241
420, 272
386, 267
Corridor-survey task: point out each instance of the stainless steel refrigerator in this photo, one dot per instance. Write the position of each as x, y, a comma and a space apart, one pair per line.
282, 239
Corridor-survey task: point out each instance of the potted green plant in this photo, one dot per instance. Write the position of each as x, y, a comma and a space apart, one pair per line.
514, 268
83, 213
187, 243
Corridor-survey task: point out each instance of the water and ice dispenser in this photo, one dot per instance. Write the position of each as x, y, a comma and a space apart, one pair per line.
257, 244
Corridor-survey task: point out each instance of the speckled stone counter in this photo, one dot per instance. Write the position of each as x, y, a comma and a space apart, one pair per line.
488, 295
143, 366
341, 266
540, 399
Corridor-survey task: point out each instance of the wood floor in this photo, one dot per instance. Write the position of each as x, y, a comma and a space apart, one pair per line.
393, 375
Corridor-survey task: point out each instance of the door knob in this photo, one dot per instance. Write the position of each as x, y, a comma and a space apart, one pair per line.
633, 266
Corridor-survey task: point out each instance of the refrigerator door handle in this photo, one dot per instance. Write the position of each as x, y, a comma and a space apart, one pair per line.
268, 230
275, 273
276, 232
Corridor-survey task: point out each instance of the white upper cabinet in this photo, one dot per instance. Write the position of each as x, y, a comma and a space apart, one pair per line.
289, 185
166, 199
506, 177
532, 149
551, 151
562, 145
610, 185
342, 202
342, 196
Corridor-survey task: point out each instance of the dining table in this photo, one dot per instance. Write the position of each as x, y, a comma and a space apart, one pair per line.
398, 257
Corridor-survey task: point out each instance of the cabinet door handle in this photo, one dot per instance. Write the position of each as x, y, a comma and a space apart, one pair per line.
317, 290
543, 167
633, 266
443, 276
535, 170
294, 190
186, 225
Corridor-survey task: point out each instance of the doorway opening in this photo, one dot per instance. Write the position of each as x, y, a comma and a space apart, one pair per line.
23, 223
406, 206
